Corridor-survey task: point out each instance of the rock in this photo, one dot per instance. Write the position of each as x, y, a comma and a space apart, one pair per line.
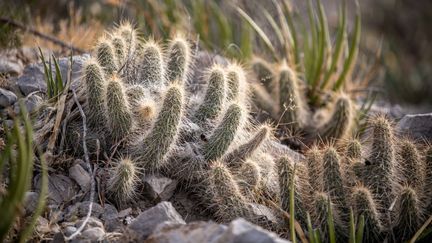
81, 176
111, 218
7, 98
30, 202
125, 212
265, 214
241, 230
60, 188
193, 232
42, 225
147, 221
93, 234
33, 78
159, 188
97, 209
418, 126
91, 223
31, 102
12, 67
238, 230
69, 230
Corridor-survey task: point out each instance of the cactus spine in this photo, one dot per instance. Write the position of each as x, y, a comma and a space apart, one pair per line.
120, 51
314, 167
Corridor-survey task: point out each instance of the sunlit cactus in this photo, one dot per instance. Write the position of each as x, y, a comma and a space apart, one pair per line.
179, 60
106, 57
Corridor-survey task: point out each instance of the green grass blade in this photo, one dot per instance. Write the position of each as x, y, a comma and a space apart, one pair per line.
259, 31
352, 228
292, 208
246, 40
293, 29
317, 236
353, 51
330, 223
59, 80
338, 46
310, 229
224, 28
360, 229
274, 26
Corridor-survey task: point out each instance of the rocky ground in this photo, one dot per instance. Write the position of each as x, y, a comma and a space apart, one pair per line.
167, 214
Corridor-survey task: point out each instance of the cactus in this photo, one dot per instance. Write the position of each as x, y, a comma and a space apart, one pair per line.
314, 168
411, 169
380, 170
117, 109
264, 73
353, 150
120, 51
340, 122
151, 72
226, 194
333, 181
248, 177
95, 85
290, 103
320, 212
236, 157
287, 173
123, 180
222, 137
106, 57
408, 214
214, 97
158, 143
178, 63
363, 204
236, 84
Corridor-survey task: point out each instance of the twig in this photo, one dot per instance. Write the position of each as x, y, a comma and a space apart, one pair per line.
88, 165
40, 34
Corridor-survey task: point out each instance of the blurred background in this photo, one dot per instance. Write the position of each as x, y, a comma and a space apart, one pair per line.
396, 35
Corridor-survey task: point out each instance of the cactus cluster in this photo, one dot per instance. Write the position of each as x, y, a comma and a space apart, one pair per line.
134, 93
279, 93
388, 186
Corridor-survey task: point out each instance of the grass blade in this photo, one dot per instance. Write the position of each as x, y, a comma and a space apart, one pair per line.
353, 51
352, 238
360, 229
259, 31
292, 208
330, 223
310, 229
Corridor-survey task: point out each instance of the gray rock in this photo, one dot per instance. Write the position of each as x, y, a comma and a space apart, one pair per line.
69, 230
81, 176
93, 234
418, 126
91, 223
159, 188
33, 78
30, 202
97, 209
147, 221
7, 98
60, 188
193, 232
111, 218
12, 67
125, 212
240, 231
31, 102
